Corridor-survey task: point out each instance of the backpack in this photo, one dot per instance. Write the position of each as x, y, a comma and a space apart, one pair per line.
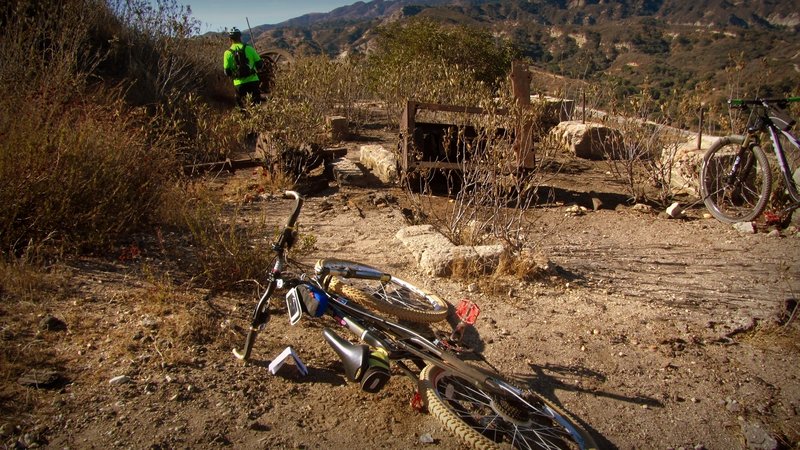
242, 67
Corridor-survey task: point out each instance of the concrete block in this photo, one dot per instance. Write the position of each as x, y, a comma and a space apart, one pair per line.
339, 129
381, 162
437, 256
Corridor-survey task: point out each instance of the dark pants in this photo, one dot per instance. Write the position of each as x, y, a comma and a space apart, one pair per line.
250, 89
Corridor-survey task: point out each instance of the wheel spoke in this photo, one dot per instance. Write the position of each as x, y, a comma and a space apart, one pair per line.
500, 420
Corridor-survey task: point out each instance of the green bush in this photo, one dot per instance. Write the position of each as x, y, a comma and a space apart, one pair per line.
425, 61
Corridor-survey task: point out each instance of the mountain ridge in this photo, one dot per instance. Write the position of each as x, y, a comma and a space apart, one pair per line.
667, 43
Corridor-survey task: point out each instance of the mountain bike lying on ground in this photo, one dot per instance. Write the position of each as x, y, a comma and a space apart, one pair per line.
735, 179
473, 402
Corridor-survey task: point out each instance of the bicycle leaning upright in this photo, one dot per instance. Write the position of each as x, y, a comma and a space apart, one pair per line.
735, 179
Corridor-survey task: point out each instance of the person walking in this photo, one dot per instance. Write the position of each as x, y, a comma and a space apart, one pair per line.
241, 63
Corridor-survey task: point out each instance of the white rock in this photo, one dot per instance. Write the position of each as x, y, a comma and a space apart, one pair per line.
122, 379
675, 210
745, 227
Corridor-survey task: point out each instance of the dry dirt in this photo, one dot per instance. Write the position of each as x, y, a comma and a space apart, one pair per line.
656, 333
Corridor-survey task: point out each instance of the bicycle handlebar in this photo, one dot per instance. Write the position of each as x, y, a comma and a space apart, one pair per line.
261, 313
741, 103
286, 239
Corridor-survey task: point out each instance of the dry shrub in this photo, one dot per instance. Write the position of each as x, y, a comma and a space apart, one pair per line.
183, 319
528, 266
229, 253
80, 175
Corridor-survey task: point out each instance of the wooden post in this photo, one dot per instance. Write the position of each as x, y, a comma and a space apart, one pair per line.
521, 83
407, 126
521, 87
700, 129
583, 106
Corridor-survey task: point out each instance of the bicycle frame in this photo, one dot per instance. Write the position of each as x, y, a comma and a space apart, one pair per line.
405, 343
385, 341
780, 155
764, 122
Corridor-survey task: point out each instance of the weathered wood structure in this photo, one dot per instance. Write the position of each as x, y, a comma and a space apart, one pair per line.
442, 145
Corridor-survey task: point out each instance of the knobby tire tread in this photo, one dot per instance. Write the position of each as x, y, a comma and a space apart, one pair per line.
411, 315
462, 430
715, 209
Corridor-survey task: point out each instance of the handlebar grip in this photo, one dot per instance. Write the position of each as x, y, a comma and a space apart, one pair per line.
291, 194
298, 203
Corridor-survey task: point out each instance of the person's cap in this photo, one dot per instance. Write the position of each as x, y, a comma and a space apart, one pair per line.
234, 33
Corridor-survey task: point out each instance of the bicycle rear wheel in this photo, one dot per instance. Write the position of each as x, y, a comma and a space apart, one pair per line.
396, 297
735, 189
486, 421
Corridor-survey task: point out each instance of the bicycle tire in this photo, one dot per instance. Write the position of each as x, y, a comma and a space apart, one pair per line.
396, 297
746, 197
488, 421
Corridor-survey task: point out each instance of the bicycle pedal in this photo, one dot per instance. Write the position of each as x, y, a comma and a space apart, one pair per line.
417, 403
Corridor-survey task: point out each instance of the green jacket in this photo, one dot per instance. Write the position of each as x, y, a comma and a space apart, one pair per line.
229, 65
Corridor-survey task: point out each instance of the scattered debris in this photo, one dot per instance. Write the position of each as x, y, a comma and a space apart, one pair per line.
121, 379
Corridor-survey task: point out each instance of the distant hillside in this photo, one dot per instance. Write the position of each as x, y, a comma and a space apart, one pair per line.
658, 44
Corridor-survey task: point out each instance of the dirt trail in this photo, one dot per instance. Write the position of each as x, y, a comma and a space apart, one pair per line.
657, 333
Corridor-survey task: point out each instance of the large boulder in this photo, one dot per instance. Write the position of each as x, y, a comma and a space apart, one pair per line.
587, 140
685, 162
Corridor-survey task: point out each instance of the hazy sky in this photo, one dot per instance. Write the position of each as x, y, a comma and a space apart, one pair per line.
217, 15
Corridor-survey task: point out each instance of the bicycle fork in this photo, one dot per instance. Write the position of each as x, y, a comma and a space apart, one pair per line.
260, 318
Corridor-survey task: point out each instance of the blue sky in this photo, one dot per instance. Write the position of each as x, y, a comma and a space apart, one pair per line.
217, 15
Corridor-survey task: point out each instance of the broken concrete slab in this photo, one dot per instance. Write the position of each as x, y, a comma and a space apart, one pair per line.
381, 162
437, 256
346, 172
338, 127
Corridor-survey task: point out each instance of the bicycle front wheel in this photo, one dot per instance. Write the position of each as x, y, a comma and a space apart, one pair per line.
735, 186
396, 297
487, 421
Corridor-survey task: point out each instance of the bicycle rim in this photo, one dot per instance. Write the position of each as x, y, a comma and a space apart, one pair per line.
488, 421
396, 297
735, 194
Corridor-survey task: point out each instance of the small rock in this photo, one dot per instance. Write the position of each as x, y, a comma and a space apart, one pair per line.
426, 439
757, 438
675, 210
149, 322
473, 288
745, 227
575, 210
774, 234
734, 407
121, 379
597, 204
52, 323
641, 207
